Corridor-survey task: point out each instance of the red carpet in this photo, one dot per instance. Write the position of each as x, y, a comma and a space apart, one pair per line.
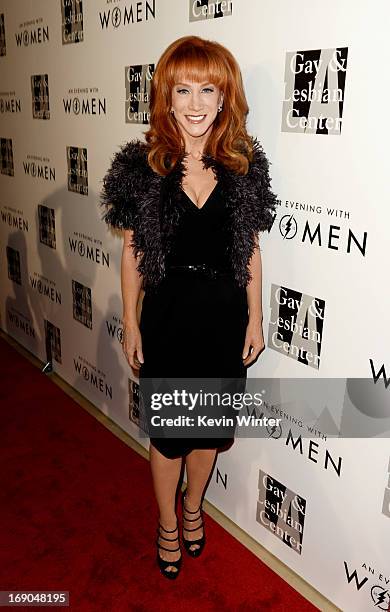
78, 514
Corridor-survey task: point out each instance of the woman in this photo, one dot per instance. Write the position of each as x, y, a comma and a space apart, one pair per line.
191, 200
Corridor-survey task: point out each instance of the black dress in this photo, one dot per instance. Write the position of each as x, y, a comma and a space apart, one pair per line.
195, 325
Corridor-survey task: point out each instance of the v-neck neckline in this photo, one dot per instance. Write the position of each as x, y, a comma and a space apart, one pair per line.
199, 208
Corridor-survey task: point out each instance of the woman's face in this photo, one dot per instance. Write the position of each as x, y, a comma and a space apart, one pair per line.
195, 106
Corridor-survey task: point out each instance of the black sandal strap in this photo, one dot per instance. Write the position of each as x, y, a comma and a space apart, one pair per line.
167, 530
168, 539
194, 529
192, 520
168, 549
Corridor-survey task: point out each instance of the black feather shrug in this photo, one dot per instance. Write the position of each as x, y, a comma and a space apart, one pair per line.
135, 197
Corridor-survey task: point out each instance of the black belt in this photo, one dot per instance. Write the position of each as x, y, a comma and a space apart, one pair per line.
199, 269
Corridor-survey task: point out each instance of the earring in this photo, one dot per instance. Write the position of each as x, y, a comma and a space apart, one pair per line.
219, 108
172, 111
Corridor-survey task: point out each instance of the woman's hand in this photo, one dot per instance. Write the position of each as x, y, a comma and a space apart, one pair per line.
254, 342
132, 345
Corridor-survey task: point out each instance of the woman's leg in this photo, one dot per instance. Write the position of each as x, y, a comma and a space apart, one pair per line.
165, 473
199, 464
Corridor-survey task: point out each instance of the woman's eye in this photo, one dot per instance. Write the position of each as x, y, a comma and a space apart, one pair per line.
206, 89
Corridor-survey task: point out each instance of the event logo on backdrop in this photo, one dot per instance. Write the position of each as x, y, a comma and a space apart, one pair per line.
88, 247
337, 237
38, 167
93, 375
45, 287
303, 433
13, 264
14, 218
303, 430
314, 91
40, 96
386, 497
209, 9
296, 325
82, 303
20, 322
32, 32
3, 43
134, 399
6, 156
374, 584
47, 226
84, 101
72, 21
77, 170
10, 103
136, 12
305, 423
52, 341
115, 328
316, 453
281, 511
138, 83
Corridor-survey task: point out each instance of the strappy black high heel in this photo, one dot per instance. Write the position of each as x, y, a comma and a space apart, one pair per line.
162, 563
201, 541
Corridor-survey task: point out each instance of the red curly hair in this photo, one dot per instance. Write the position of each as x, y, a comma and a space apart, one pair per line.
199, 60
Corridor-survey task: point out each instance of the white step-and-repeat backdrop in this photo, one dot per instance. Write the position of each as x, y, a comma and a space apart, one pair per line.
75, 81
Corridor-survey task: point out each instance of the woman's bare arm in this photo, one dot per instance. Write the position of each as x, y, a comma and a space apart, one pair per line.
131, 282
254, 334
254, 287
